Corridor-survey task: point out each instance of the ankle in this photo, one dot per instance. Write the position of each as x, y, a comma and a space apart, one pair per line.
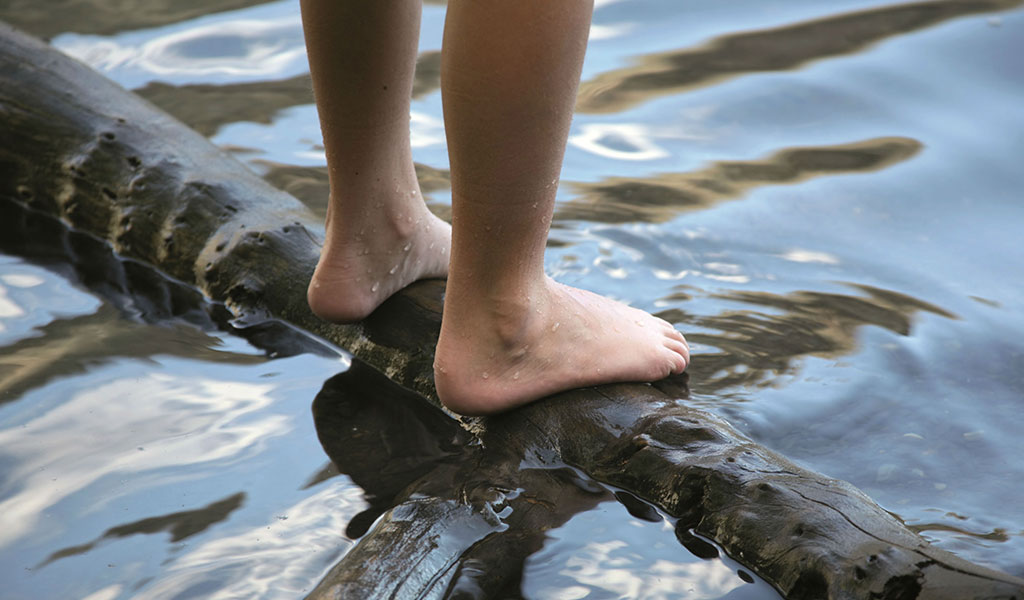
379, 222
504, 319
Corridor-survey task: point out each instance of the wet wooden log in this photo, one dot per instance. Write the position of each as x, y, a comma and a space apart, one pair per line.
80, 149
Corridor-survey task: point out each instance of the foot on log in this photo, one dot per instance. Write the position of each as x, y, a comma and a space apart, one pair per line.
368, 255
496, 354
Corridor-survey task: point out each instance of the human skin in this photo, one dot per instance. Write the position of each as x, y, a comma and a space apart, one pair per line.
509, 73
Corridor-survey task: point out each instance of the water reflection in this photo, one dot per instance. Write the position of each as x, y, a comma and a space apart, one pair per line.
234, 49
281, 557
47, 19
103, 427
663, 197
758, 346
777, 49
181, 525
618, 141
605, 554
404, 452
145, 314
185, 421
75, 346
208, 107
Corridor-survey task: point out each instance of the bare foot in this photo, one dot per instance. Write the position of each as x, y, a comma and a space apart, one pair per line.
493, 356
369, 256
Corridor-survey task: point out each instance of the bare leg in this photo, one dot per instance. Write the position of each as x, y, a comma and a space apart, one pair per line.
511, 335
380, 235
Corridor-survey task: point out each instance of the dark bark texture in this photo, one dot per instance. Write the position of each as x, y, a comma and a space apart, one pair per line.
93, 158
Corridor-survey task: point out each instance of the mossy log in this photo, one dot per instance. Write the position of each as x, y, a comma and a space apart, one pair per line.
105, 163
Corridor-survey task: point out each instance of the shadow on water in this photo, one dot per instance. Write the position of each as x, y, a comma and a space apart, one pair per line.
776, 49
401, 450
662, 197
181, 525
757, 346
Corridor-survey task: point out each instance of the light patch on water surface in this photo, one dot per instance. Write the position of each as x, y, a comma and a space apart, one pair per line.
809, 256
236, 48
611, 569
425, 130
126, 427
34, 297
283, 557
108, 593
606, 553
8, 309
22, 280
607, 32
620, 141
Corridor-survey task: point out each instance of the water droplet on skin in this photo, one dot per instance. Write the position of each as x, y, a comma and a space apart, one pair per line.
486, 375
407, 247
316, 284
374, 288
412, 193
535, 205
393, 269
408, 219
516, 375
555, 327
639, 323
431, 246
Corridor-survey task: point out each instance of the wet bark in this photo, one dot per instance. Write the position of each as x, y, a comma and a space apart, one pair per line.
76, 148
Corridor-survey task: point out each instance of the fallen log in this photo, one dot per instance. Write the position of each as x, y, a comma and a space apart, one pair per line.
80, 149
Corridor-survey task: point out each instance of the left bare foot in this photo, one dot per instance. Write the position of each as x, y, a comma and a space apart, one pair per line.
368, 257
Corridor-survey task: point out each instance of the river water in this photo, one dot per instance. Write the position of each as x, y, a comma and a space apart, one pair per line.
826, 198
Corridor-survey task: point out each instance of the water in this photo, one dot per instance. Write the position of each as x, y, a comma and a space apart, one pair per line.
824, 198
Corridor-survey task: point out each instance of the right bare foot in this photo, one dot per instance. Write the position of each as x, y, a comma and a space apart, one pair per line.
370, 255
494, 356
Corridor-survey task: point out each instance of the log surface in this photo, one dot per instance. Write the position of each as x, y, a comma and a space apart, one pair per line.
79, 149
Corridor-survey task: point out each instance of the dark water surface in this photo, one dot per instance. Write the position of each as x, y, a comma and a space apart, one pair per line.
825, 197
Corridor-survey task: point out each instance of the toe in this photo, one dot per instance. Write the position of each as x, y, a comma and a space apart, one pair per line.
674, 334
678, 347
677, 363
